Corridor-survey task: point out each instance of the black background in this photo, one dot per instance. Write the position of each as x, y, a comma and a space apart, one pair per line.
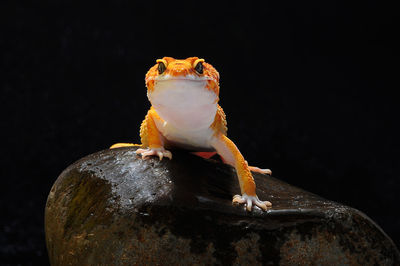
308, 89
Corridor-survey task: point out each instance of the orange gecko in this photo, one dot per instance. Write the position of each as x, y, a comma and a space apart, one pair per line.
185, 113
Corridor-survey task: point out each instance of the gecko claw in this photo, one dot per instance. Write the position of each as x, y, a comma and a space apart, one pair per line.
250, 200
168, 154
160, 152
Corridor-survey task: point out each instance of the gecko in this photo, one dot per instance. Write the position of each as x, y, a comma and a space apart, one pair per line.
185, 113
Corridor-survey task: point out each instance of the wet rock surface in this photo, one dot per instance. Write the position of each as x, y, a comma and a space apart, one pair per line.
113, 208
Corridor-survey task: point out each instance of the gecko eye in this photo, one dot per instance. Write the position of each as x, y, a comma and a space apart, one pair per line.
161, 67
199, 67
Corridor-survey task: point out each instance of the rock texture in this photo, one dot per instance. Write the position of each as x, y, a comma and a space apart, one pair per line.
113, 208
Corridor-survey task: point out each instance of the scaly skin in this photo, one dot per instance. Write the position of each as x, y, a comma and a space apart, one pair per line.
215, 137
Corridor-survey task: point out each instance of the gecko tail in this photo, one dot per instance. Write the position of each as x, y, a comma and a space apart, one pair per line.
120, 145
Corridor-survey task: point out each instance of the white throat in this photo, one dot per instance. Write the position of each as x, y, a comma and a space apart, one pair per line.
184, 103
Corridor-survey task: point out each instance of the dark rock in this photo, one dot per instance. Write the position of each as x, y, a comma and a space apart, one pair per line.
113, 208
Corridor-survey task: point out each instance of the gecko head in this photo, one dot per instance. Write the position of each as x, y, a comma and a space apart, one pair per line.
187, 71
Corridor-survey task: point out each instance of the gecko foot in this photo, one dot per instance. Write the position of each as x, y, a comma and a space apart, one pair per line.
160, 152
250, 200
259, 170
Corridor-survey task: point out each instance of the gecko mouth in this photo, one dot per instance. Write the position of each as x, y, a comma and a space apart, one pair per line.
183, 78
179, 79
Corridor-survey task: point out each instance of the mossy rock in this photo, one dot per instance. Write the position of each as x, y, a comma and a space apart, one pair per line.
113, 208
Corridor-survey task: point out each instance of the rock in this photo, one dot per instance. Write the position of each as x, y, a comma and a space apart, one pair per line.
113, 208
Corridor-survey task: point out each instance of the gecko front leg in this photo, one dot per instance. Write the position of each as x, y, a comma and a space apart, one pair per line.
152, 140
231, 155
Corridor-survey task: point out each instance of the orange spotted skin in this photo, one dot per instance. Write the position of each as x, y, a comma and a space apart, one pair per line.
149, 134
154, 139
219, 125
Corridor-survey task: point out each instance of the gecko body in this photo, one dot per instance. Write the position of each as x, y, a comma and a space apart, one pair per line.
185, 113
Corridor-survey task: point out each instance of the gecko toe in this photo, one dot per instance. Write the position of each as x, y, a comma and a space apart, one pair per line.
249, 205
238, 199
263, 204
168, 154
139, 151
